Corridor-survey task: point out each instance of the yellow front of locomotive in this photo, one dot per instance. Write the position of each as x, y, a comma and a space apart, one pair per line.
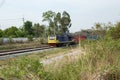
52, 40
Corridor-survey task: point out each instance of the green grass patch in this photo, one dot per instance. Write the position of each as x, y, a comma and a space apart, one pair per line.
24, 69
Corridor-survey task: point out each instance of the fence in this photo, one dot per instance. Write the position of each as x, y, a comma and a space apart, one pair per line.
7, 40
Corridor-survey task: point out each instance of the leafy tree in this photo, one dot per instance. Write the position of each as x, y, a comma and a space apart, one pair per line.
36, 28
114, 31
65, 22
42, 30
49, 17
58, 23
1, 33
100, 30
39, 30
11, 32
28, 28
20, 33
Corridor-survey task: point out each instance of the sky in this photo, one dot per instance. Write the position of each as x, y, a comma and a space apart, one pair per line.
84, 13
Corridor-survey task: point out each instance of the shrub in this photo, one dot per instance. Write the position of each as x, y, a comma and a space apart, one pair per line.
10, 40
1, 41
24, 68
30, 38
41, 40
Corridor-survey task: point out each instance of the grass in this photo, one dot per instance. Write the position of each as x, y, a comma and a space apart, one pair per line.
23, 69
101, 60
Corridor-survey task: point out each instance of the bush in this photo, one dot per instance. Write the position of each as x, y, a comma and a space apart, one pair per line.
41, 40
1, 41
30, 38
10, 40
24, 69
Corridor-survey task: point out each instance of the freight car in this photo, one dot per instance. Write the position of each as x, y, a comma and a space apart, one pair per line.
78, 38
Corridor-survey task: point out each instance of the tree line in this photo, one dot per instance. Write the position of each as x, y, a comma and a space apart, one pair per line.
111, 31
102, 31
58, 23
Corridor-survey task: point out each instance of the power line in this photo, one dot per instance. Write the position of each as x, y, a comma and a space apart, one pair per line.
11, 19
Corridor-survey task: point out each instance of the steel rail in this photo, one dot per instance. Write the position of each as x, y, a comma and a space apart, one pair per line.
23, 50
1, 51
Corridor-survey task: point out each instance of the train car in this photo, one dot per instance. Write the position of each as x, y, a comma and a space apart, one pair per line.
78, 38
59, 40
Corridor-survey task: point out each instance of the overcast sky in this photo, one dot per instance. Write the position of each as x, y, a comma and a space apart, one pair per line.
84, 13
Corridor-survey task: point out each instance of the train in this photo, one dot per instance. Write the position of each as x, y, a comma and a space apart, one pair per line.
64, 39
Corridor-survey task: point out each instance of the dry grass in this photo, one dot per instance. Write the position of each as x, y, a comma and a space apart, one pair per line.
19, 45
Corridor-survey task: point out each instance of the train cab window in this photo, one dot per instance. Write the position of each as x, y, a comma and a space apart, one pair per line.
52, 37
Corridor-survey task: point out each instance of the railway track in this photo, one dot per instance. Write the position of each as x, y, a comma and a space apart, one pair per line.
18, 51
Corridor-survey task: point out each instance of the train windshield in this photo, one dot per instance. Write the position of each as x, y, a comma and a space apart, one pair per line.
52, 37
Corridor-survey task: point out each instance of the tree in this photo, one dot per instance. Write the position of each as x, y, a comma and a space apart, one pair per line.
114, 31
62, 22
28, 28
1, 33
42, 31
65, 22
11, 32
39, 30
49, 17
100, 30
58, 23
20, 32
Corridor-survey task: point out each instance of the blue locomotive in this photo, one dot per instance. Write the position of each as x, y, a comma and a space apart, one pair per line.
59, 40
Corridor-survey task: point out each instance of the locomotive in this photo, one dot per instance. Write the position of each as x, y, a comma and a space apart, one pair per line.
60, 40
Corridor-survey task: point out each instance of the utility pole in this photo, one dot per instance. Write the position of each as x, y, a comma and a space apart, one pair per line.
23, 19
54, 29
